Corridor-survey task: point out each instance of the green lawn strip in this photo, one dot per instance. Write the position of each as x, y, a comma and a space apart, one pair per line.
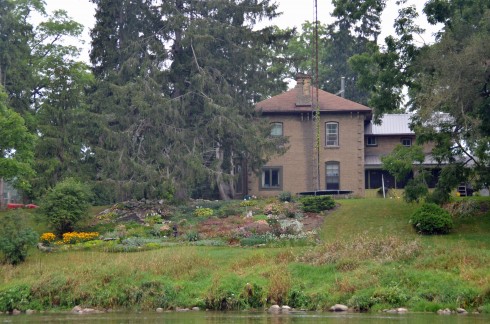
373, 216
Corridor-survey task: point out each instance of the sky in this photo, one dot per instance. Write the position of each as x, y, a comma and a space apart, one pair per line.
295, 12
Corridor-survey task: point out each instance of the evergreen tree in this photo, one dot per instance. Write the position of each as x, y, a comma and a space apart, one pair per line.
16, 37
174, 94
355, 29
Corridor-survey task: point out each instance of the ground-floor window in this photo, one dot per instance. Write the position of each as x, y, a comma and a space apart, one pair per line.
271, 178
332, 171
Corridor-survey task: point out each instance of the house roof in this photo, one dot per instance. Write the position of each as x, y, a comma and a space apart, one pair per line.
391, 124
286, 103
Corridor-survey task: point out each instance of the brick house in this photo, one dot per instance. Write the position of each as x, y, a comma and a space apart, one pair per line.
342, 124
381, 140
351, 146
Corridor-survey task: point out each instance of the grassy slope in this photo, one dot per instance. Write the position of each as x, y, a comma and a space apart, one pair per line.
445, 271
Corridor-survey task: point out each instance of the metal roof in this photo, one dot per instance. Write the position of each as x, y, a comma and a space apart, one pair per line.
391, 124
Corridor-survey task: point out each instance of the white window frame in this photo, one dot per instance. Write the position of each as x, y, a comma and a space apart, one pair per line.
331, 138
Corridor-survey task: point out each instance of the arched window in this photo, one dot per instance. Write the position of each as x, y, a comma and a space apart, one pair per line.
331, 134
332, 175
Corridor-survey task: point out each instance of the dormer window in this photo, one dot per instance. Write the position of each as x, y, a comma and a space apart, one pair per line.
276, 129
407, 142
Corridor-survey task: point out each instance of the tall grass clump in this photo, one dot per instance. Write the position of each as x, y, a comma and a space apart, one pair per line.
361, 248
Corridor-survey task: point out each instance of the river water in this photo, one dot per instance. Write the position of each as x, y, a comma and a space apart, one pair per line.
246, 317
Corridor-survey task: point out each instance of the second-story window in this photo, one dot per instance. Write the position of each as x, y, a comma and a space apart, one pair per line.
407, 142
331, 134
276, 129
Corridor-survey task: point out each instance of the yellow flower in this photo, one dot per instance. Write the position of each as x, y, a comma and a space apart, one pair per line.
78, 237
47, 238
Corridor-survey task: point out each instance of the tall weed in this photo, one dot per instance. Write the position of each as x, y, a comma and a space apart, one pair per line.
363, 247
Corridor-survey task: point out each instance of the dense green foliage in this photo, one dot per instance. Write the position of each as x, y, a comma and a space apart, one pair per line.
316, 204
16, 145
66, 205
355, 29
15, 238
45, 84
172, 108
431, 219
449, 97
285, 196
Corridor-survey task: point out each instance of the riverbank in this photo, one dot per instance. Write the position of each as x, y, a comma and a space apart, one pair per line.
368, 258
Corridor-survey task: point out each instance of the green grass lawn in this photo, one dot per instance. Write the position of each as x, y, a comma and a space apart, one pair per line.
373, 216
368, 257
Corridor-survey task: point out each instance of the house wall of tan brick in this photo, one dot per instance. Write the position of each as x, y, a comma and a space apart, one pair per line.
386, 144
299, 162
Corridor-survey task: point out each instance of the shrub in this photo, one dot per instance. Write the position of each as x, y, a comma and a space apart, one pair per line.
15, 297
362, 301
15, 237
253, 240
192, 236
431, 219
273, 209
248, 203
66, 205
316, 204
439, 196
203, 212
285, 196
253, 295
228, 210
463, 209
415, 190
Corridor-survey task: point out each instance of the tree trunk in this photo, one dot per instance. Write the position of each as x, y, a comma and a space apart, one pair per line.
1, 195
222, 185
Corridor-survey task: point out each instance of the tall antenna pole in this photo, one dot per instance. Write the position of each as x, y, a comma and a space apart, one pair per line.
317, 113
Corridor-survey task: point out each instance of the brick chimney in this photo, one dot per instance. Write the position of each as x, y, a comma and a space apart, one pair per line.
303, 90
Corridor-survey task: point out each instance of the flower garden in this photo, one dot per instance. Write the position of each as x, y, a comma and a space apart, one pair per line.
136, 226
